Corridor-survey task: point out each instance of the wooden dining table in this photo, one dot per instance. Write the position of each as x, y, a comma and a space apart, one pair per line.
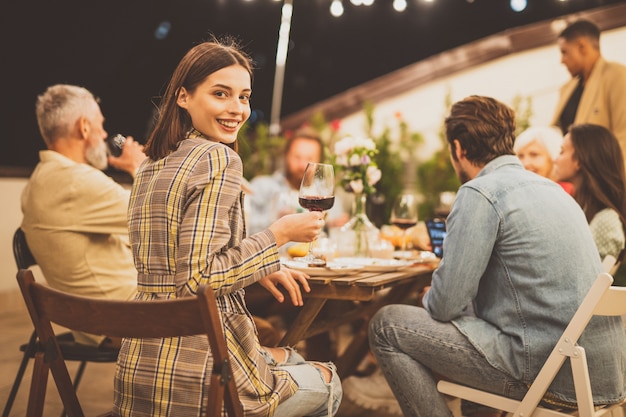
362, 294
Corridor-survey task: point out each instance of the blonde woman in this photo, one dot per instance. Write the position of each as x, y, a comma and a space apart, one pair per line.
537, 147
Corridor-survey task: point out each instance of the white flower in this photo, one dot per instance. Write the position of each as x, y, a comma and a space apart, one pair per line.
366, 143
348, 144
373, 175
341, 160
355, 159
344, 146
356, 186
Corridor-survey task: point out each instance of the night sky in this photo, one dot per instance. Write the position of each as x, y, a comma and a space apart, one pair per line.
110, 47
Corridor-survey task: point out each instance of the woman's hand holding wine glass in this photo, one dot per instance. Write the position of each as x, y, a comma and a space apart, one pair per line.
297, 227
317, 193
404, 216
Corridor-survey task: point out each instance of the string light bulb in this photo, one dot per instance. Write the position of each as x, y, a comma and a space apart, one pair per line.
336, 8
519, 5
399, 5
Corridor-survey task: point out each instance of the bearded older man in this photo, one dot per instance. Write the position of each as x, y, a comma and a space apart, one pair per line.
75, 218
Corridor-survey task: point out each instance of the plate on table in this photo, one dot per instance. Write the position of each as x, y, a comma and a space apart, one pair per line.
333, 268
425, 256
416, 256
377, 264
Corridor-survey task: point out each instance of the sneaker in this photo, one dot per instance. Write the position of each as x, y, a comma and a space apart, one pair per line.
371, 394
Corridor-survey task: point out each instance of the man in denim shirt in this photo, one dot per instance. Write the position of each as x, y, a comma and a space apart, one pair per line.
519, 253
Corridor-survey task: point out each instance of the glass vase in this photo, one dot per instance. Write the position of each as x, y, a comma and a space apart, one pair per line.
361, 229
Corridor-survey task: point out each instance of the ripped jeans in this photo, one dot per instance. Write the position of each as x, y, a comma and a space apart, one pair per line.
314, 398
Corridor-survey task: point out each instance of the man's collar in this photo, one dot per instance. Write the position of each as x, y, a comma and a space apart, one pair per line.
500, 162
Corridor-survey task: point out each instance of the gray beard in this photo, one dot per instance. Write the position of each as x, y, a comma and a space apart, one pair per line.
96, 156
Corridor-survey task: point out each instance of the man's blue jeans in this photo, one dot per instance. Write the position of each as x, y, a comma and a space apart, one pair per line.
414, 351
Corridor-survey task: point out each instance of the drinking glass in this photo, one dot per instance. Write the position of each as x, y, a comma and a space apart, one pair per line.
404, 215
317, 193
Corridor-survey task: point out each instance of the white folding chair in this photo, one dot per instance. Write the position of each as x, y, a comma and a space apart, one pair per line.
610, 264
603, 300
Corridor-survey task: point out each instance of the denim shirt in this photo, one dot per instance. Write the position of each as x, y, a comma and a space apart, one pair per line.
520, 251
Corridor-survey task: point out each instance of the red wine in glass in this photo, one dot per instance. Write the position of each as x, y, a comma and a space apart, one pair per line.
404, 215
313, 203
404, 224
317, 193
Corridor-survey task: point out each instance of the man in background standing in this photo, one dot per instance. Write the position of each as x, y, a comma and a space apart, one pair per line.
597, 91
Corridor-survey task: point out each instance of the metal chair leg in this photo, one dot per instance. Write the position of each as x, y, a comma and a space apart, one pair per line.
79, 374
28, 353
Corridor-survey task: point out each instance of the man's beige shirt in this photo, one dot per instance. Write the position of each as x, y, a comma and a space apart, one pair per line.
75, 221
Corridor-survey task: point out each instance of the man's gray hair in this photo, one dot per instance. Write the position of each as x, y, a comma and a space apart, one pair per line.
60, 106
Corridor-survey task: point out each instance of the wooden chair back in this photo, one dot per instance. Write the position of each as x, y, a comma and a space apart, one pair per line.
71, 350
133, 319
602, 299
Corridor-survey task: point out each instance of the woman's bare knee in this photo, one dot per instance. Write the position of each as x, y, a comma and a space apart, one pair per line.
327, 374
280, 355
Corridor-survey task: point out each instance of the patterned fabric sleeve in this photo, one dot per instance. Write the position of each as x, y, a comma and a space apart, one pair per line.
608, 233
210, 238
187, 228
188, 218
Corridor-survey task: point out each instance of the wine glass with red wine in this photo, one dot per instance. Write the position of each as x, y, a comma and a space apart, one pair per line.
404, 216
317, 193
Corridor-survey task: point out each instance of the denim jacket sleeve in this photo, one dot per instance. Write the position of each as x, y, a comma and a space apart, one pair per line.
472, 231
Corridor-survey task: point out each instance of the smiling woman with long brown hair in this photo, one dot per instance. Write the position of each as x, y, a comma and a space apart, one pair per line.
186, 228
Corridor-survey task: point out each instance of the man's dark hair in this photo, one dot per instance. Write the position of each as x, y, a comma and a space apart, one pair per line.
581, 28
484, 127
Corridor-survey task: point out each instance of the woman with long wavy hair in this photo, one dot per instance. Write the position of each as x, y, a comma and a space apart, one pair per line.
591, 158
